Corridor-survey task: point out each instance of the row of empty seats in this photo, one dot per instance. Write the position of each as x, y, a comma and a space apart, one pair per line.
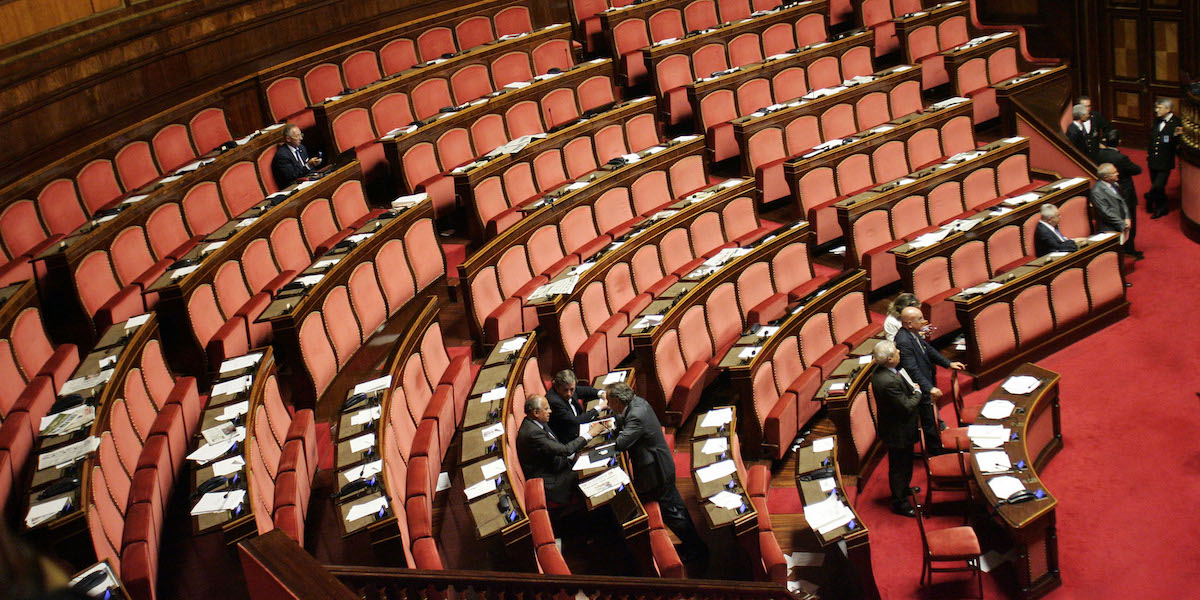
671, 20
878, 15
925, 44
281, 446
27, 227
138, 463
376, 289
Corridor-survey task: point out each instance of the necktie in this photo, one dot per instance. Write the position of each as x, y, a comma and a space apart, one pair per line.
1057, 233
299, 159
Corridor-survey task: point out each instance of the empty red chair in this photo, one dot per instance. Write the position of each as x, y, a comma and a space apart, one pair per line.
22, 231
202, 209
700, 14
395, 276
971, 81
523, 119
850, 321
817, 346
776, 39
34, 352
135, 165
753, 95
552, 54
240, 188
744, 50
360, 69
59, 207
923, 148
666, 24
317, 351
838, 122
662, 550
872, 109
889, 161
767, 155
595, 92
103, 297
345, 336
717, 111
1068, 298
398, 55
511, 67
172, 148
469, 83
558, 107
1031, 315
671, 75
810, 29
287, 102
944, 203
473, 31
1105, 282
630, 36
512, 20
97, 181
134, 263
435, 42
922, 47
352, 131
994, 334
877, 14
905, 98
422, 174
952, 32
350, 206
209, 130
487, 133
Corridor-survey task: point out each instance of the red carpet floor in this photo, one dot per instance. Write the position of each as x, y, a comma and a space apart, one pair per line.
1128, 478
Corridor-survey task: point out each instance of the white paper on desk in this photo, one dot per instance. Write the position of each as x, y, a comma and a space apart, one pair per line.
1021, 384
212, 502
997, 409
1022, 199
366, 415
96, 591
228, 466
208, 248
325, 264
827, 515
631, 157
368, 507
85, 383
374, 385
165, 180
494, 395
749, 352
964, 224
234, 411
716, 471
717, 417
949, 102
993, 462
493, 468
726, 499
492, 432
1066, 183
135, 199
310, 280
824, 444
983, 288
715, 445
362, 442
206, 453
576, 185
930, 238
137, 321
180, 272
362, 471
862, 360
443, 482
40, 513
604, 482
236, 385
648, 321
246, 222
839, 386
614, 377
358, 238
407, 201
479, 489
988, 436
1099, 237
512, 345
584, 462
767, 331
68, 454
1005, 486
827, 484
240, 362
219, 433
69, 420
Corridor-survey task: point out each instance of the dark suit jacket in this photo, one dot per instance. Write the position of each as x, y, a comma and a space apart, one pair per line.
1126, 169
642, 437
286, 168
918, 358
542, 455
1110, 205
1160, 155
567, 414
1045, 242
1088, 143
896, 405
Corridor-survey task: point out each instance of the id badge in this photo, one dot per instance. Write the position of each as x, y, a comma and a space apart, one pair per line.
1166, 139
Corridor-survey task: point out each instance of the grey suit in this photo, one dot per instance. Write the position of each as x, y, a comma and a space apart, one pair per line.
1111, 210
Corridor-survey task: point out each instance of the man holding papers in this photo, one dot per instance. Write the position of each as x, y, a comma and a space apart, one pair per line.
896, 400
568, 405
543, 455
642, 437
920, 361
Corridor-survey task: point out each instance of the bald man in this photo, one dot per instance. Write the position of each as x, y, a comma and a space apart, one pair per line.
920, 361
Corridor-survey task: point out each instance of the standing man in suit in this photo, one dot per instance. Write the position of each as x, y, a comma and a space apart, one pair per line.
1047, 238
543, 455
291, 160
1101, 123
568, 402
1082, 132
920, 361
642, 437
896, 400
1112, 214
1126, 169
1160, 156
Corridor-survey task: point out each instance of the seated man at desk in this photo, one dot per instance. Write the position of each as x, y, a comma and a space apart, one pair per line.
568, 404
641, 435
896, 399
291, 160
543, 454
1047, 238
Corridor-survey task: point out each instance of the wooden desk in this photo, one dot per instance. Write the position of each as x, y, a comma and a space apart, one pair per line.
1030, 526
854, 534
740, 521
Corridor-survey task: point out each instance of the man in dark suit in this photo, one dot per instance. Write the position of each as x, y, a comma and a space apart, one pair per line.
641, 436
291, 160
1126, 170
568, 404
543, 455
1160, 156
1047, 238
896, 400
1082, 132
1099, 120
920, 361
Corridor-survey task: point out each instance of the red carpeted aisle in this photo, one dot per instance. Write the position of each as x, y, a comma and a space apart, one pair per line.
1128, 478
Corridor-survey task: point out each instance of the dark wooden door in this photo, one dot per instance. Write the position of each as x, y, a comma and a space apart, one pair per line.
1146, 49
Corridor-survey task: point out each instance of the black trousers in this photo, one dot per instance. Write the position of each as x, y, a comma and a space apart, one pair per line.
900, 470
931, 425
1131, 203
1156, 198
676, 516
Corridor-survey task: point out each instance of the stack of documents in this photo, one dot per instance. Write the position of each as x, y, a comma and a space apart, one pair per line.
80, 384
727, 500
72, 419
40, 513
209, 452
1005, 486
982, 288
827, 515
604, 483
997, 409
988, 436
68, 454
717, 417
512, 345
1021, 384
409, 201
565, 285
216, 502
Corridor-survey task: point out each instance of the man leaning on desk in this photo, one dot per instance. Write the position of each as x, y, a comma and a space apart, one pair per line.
1047, 238
291, 160
568, 404
542, 454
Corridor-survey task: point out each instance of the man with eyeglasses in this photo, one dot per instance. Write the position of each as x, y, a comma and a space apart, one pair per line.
919, 361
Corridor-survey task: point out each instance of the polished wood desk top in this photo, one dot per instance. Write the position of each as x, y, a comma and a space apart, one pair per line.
719, 517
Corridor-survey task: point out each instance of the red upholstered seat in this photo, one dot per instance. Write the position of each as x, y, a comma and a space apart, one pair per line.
552, 54
473, 31
398, 55
97, 181
953, 543
512, 20
321, 82
994, 333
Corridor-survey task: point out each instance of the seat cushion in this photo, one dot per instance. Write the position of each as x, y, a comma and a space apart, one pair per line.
953, 543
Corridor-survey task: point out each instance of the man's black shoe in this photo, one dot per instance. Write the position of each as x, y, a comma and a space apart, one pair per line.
941, 451
904, 511
1137, 255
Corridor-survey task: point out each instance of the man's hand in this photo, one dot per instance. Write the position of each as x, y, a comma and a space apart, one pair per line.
313, 162
957, 366
597, 428
1127, 224
1079, 241
935, 394
602, 404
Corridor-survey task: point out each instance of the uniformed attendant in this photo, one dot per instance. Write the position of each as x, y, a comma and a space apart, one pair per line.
1160, 156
